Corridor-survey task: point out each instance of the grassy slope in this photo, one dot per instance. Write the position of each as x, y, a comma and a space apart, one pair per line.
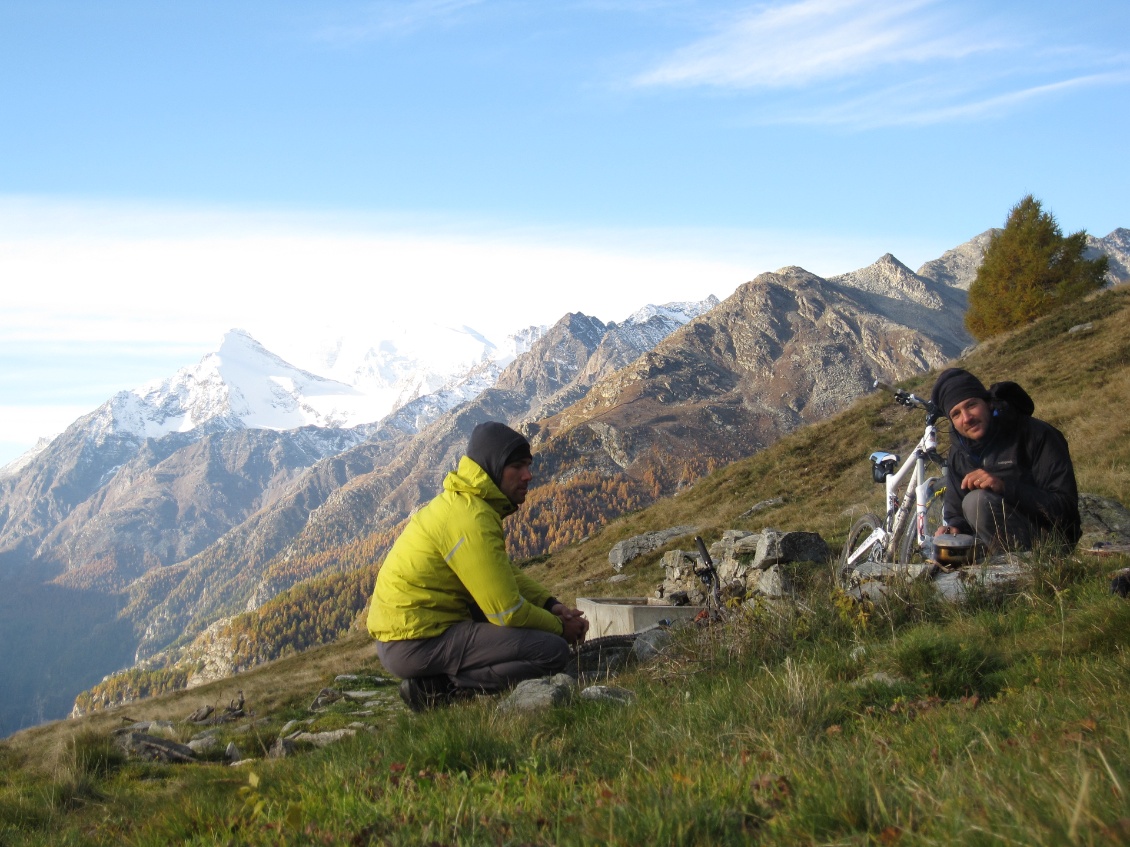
1007, 722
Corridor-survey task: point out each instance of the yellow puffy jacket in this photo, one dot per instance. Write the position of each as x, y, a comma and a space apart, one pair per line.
452, 554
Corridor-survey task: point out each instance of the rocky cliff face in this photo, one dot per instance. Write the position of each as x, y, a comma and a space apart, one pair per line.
958, 267
1116, 246
785, 349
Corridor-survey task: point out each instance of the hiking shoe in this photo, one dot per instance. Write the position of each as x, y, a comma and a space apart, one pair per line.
421, 693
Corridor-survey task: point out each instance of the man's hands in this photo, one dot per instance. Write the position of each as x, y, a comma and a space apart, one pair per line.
981, 478
573, 624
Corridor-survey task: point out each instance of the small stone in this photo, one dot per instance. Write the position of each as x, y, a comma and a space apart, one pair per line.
321, 739
360, 695
282, 748
202, 746
326, 697
544, 693
608, 694
879, 677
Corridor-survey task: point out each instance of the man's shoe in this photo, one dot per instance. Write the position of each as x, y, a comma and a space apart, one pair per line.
421, 693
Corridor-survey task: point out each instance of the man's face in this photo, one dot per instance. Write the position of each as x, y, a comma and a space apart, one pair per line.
516, 480
971, 418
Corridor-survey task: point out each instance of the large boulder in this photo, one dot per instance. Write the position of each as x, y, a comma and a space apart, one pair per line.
1105, 521
632, 548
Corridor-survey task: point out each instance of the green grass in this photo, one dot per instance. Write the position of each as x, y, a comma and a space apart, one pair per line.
910, 722
784, 725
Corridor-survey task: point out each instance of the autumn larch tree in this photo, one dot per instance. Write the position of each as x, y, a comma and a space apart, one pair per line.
1030, 269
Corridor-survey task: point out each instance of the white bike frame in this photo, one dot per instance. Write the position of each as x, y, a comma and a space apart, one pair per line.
919, 493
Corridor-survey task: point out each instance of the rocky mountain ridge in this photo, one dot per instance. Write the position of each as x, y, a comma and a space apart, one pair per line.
785, 349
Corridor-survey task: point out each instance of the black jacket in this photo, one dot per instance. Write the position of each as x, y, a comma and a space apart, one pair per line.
1032, 459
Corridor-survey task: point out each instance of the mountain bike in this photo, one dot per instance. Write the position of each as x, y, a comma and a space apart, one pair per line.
905, 534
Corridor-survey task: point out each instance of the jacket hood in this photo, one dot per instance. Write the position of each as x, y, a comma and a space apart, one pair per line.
470, 478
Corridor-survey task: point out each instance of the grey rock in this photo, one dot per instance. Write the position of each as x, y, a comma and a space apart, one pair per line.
326, 697
950, 586
774, 548
282, 748
608, 694
631, 548
771, 582
677, 564
322, 739
1104, 520
888, 572
139, 745
743, 546
1004, 574
361, 695
880, 677
544, 693
232, 753
203, 745
202, 714
165, 729
620, 577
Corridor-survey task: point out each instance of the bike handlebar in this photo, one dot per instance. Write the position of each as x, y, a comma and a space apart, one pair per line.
906, 398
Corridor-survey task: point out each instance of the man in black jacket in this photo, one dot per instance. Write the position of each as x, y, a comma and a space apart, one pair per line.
1010, 480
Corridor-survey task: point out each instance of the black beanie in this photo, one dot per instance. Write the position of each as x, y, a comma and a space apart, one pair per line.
494, 445
954, 386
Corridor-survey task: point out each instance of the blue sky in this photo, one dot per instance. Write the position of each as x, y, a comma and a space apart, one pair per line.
171, 170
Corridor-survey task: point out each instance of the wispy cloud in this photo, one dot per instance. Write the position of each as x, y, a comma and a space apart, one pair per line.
815, 41
383, 19
878, 63
896, 107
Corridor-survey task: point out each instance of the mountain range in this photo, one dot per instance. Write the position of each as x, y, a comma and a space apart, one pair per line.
183, 502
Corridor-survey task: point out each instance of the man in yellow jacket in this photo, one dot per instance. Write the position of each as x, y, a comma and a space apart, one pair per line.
452, 616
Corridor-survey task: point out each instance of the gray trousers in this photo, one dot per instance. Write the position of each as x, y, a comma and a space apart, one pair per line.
999, 527
479, 656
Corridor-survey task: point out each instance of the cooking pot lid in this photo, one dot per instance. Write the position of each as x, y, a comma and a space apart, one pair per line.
954, 542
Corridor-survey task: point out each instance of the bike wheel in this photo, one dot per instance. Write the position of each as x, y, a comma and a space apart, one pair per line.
909, 551
858, 534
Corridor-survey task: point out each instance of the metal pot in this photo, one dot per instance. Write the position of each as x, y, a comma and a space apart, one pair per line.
952, 550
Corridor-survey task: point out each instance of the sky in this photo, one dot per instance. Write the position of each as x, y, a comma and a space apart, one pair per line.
170, 171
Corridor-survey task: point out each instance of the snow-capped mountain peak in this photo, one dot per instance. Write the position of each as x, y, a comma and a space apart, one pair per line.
241, 384
680, 312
